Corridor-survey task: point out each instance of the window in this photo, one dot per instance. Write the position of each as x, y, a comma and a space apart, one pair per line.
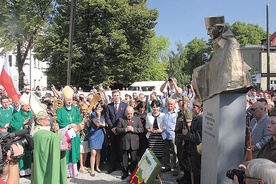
10, 60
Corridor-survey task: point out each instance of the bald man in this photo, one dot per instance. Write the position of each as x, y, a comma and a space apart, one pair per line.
170, 147
129, 127
259, 125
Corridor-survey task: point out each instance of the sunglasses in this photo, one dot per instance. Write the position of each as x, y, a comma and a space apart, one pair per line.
253, 109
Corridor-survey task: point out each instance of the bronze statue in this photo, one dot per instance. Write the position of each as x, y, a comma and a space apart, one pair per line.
226, 72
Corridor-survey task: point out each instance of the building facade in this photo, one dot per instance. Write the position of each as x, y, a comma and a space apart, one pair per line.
256, 57
34, 70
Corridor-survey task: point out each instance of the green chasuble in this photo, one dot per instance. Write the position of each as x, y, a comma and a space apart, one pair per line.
18, 120
49, 163
64, 118
17, 124
5, 116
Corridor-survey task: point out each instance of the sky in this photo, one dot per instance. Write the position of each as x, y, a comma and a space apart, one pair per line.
183, 20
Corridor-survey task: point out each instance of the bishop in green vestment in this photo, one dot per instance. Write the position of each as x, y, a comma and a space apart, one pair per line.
69, 114
49, 162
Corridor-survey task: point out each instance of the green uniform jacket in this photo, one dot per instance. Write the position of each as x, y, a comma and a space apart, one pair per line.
179, 137
64, 118
268, 151
49, 163
5, 116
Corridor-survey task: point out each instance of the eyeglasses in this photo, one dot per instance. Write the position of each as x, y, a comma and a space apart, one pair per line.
253, 109
272, 122
249, 177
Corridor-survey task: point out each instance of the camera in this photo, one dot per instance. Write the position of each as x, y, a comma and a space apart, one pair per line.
238, 172
22, 137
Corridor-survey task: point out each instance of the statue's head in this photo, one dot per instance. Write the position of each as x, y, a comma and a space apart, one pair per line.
214, 21
217, 28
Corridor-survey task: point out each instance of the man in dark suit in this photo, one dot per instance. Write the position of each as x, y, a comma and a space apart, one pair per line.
114, 111
129, 127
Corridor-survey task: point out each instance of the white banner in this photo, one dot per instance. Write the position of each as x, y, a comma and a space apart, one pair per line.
256, 78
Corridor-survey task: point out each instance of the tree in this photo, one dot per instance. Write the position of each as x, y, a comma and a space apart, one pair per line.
111, 42
182, 62
248, 33
20, 23
157, 63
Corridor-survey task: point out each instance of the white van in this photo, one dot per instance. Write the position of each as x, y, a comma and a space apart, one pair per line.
146, 86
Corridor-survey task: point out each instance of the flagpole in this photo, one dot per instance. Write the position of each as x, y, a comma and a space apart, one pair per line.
268, 46
71, 34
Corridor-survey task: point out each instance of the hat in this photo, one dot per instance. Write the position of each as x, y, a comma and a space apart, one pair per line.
185, 99
36, 106
215, 20
197, 103
67, 92
24, 99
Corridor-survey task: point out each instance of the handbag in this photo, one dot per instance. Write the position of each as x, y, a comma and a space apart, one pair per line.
199, 146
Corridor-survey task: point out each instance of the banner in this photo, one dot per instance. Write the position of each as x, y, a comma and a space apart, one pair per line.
256, 78
7, 83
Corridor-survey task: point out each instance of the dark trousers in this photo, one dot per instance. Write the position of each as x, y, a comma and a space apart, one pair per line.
196, 167
169, 149
133, 160
183, 158
115, 151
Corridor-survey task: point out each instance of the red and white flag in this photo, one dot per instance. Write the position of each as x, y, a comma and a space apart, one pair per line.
7, 83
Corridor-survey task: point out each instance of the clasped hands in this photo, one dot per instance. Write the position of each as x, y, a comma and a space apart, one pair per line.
129, 129
157, 131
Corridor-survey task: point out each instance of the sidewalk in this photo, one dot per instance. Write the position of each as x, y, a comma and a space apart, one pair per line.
113, 178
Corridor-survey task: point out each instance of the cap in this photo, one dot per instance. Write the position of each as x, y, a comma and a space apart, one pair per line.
185, 99
214, 20
24, 99
67, 92
197, 103
36, 106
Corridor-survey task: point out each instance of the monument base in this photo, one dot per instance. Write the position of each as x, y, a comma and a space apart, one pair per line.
223, 136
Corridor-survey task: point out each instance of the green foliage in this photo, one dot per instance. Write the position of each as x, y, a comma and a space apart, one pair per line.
182, 63
157, 63
111, 42
20, 23
248, 33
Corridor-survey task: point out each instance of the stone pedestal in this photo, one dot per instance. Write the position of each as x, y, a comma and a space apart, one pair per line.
223, 136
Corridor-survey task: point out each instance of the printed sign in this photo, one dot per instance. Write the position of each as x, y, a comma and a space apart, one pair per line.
146, 170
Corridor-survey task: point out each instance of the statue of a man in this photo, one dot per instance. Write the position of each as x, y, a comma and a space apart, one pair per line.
226, 72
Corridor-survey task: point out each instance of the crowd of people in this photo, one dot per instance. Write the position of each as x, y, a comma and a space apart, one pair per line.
117, 131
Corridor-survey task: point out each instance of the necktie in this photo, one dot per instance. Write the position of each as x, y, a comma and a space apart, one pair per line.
129, 122
116, 108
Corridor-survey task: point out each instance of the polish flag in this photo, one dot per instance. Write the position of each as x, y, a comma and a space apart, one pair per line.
7, 83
